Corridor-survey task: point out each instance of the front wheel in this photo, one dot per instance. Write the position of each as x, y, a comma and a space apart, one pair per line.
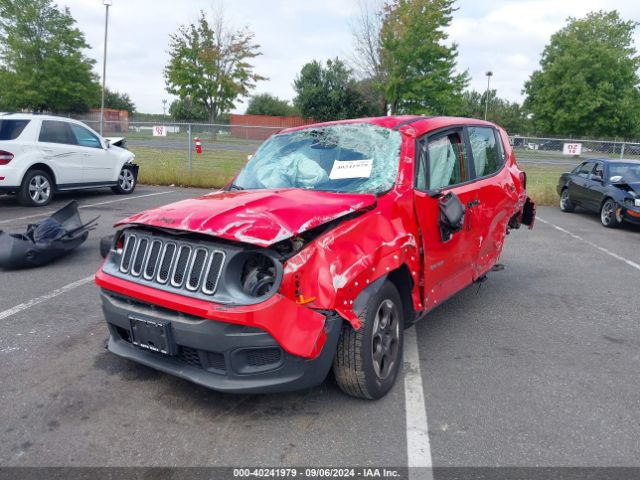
566, 205
368, 360
126, 181
608, 216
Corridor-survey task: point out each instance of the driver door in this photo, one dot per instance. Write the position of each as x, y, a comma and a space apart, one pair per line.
442, 163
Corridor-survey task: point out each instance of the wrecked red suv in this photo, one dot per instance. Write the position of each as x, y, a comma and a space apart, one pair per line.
331, 241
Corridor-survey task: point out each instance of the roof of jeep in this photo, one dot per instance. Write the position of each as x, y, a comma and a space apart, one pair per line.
420, 123
31, 116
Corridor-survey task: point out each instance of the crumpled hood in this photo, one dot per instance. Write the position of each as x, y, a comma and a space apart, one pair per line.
629, 187
258, 217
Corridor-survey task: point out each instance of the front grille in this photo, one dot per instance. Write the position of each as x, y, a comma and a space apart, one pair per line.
260, 357
190, 356
180, 265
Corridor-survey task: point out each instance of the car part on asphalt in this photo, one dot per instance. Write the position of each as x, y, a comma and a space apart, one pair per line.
322, 250
45, 241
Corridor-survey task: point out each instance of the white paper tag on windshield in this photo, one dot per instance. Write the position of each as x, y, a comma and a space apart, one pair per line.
351, 169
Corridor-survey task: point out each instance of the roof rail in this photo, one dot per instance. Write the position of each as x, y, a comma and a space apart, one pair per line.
412, 120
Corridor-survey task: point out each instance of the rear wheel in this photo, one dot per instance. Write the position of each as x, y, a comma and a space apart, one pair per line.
566, 205
126, 182
368, 360
608, 216
36, 189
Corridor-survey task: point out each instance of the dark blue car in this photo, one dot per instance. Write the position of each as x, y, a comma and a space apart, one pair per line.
609, 187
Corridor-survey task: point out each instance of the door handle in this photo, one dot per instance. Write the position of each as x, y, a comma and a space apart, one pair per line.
47, 150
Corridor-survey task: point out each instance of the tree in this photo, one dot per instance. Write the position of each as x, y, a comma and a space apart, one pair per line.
419, 68
329, 92
185, 109
509, 115
588, 83
43, 67
210, 64
266, 104
119, 101
367, 46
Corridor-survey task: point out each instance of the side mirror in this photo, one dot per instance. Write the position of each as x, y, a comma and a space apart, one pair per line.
107, 142
597, 178
451, 216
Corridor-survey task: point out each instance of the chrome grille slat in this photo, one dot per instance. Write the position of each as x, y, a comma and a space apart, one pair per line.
176, 264
213, 272
152, 260
166, 262
198, 262
127, 253
180, 266
139, 255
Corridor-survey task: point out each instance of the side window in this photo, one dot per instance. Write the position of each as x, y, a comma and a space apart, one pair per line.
84, 137
486, 156
11, 129
599, 171
56, 132
444, 158
585, 169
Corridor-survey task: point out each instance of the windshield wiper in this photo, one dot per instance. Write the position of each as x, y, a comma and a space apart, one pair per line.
233, 186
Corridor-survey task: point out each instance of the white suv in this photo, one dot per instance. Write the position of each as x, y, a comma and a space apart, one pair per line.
41, 155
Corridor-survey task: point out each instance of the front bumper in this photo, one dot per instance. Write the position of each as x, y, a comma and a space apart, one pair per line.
218, 355
631, 215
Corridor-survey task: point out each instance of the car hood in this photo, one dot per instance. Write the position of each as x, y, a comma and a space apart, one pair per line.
632, 187
257, 217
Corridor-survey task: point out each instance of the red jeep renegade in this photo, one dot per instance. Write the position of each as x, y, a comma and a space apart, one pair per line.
331, 241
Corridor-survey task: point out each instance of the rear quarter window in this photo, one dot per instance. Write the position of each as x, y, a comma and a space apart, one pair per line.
11, 129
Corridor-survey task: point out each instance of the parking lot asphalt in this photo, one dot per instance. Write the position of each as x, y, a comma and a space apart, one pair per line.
538, 366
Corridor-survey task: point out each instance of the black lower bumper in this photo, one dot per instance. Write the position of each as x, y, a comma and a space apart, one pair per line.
221, 356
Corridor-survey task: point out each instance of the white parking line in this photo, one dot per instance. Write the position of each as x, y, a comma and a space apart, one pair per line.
35, 301
49, 212
598, 247
418, 446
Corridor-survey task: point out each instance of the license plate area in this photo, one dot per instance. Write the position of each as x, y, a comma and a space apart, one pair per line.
153, 335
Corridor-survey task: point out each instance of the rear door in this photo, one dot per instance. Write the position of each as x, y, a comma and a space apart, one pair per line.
496, 192
443, 167
97, 164
59, 149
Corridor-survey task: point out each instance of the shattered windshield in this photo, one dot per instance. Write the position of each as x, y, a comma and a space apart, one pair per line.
355, 158
624, 172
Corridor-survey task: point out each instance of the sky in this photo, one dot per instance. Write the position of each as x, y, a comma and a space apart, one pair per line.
505, 37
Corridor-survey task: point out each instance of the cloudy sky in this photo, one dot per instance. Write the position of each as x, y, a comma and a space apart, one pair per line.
506, 37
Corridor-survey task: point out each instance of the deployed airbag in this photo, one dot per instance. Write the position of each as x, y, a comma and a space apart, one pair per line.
45, 241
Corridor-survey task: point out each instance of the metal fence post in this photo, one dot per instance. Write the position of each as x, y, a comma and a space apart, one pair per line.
622, 151
190, 150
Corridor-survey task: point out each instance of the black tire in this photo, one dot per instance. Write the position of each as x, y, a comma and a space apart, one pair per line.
566, 205
608, 216
356, 369
36, 189
127, 181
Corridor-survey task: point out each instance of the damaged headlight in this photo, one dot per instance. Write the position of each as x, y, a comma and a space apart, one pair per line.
253, 274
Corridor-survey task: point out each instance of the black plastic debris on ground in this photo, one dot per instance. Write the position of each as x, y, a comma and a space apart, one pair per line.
45, 241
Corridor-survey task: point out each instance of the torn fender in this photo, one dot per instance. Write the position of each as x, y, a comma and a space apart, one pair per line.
298, 330
335, 268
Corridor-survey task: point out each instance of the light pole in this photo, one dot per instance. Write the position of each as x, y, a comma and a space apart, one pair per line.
107, 4
489, 74
164, 107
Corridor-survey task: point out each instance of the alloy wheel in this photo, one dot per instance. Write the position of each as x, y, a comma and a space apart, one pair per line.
385, 340
39, 189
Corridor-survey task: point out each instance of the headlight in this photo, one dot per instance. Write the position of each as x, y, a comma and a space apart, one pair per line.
253, 274
630, 202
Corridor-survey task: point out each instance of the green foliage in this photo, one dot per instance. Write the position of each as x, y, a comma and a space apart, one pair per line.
329, 92
211, 65
419, 68
509, 115
119, 101
588, 81
266, 104
186, 110
42, 64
